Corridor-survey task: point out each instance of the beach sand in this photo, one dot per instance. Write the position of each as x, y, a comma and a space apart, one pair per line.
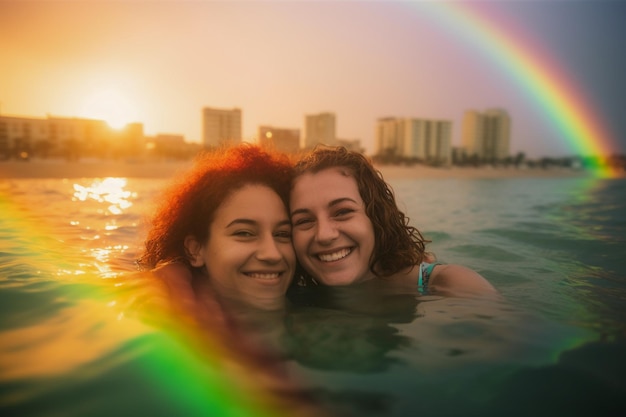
168, 169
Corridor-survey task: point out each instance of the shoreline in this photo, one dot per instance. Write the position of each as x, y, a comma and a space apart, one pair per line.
168, 169
393, 172
59, 169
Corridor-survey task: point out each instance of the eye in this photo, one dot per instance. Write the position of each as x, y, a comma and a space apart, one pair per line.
303, 221
283, 235
345, 211
243, 233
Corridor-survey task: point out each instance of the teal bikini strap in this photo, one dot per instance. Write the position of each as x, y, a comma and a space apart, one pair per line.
425, 270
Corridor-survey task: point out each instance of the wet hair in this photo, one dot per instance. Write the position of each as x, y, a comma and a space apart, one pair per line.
397, 244
188, 206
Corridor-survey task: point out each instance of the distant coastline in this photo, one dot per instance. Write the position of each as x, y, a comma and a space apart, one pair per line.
57, 168
391, 172
167, 169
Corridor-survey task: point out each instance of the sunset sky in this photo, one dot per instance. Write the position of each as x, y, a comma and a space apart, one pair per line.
161, 62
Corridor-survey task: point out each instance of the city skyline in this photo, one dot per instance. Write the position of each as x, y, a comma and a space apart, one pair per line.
160, 63
261, 138
399, 141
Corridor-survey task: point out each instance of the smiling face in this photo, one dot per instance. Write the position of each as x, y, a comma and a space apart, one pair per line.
249, 255
332, 235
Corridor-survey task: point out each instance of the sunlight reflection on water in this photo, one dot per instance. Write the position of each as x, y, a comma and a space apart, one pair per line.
109, 190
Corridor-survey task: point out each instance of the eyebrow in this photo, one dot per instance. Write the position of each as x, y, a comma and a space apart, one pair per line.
254, 222
331, 204
285, 222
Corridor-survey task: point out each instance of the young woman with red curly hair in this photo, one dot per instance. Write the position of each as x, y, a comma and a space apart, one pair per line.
226, 222
220, 244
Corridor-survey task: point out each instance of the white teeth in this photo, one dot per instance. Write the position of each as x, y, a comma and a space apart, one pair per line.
330, 257
273, 275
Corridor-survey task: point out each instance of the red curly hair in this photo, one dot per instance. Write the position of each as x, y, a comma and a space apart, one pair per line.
188, 206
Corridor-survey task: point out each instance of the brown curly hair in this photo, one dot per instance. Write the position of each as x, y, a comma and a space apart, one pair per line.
188, 206
397, 245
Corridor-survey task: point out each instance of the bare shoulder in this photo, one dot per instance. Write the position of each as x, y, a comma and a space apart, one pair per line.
458, 280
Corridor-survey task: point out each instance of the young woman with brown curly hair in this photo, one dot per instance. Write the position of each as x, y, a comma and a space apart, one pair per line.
347, 229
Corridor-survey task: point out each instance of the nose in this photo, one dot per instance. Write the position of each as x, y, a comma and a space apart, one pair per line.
268, 250
326, 231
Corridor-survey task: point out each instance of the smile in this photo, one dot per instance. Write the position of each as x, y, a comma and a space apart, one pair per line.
264, 275
335, 256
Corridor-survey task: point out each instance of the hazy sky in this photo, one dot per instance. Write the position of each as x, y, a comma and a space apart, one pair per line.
161, 62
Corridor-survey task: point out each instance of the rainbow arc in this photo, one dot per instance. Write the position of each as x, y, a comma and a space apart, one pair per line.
541, 78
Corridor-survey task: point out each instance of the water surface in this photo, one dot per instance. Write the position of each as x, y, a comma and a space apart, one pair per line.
72, 342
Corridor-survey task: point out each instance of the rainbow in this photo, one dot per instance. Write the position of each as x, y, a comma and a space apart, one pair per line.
535, 72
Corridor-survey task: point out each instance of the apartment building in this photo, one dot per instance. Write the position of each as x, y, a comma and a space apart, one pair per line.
67, 137
424, 139
221, 127
281, 139
388, 137
320, 129
486, 135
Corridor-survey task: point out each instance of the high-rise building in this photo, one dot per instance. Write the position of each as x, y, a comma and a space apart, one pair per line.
424, 139
472, 133
427, 140
220, 127
284, 140
320, 129
487, 134
388, 136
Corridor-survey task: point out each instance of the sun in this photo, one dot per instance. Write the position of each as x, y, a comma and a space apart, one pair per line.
110, 105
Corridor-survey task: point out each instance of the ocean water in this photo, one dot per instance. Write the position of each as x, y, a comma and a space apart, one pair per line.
75, 340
